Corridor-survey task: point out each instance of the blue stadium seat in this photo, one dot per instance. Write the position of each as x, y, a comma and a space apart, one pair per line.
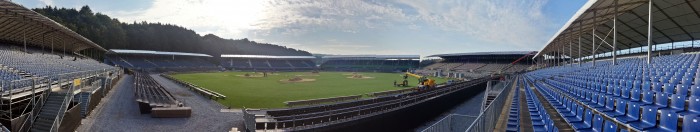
669, 88
695, 89
647, 120
682, 89
586, 124
578, 117
693, 105
610, 126
691, 123
632, 114
635, 95
647, 99
609, 105
620, 107
661, 100
667, 123
677, 103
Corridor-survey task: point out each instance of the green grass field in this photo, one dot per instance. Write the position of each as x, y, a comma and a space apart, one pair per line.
270, 92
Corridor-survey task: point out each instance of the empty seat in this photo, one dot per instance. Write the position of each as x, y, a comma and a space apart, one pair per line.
647, 120
586, 123
691, 123
677, 103
661, 100
632, 114
620, 107
610, 126
668, 122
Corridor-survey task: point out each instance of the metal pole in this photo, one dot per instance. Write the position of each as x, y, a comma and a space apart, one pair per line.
614, 53
580, 29
649, 33
593, 37
52, 45
24, 39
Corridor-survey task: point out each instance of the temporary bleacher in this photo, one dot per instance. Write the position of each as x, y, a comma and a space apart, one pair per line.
668, 88
149, 94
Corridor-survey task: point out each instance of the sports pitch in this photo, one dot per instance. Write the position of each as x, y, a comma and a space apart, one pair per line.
272, 91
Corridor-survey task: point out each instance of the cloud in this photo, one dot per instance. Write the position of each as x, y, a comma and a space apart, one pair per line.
512, 22
46, 2
502, 24
228, 18
350, 16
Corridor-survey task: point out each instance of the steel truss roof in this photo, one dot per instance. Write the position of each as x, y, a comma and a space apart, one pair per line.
672, 21
20, 24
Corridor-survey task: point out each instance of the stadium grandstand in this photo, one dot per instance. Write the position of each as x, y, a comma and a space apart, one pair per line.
49, 73
617, 65
477, 64
160, 60
371, 63
268, 62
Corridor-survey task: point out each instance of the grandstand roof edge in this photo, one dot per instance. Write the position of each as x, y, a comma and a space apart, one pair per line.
55, 25
578, 14
126, 51
374, 56
484, 53
266, 56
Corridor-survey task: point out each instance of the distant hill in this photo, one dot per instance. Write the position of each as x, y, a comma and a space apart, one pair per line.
110, 33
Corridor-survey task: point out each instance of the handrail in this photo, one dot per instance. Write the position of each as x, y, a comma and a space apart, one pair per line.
500, 95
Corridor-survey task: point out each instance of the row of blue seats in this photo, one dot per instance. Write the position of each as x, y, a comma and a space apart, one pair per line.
513, 124
541, 121
618, 110
578, 117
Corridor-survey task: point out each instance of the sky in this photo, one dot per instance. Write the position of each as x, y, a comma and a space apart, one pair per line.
383, 27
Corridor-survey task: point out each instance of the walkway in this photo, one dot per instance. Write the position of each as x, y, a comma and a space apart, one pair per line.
118, 112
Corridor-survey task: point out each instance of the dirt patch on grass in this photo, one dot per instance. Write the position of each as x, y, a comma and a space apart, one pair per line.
251, 75
297, 80
358, 76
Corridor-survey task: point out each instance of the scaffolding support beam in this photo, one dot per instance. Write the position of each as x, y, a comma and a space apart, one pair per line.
649, 32
614, 52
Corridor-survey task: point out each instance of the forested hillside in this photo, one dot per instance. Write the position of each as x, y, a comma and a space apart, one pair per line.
110, 33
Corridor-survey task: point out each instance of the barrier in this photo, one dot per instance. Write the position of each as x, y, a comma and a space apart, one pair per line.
485, 122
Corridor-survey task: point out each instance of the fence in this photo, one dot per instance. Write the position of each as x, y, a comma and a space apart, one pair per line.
485, 122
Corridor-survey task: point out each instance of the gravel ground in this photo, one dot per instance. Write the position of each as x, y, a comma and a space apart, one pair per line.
118, 112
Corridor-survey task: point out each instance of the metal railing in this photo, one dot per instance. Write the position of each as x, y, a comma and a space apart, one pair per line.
485, 122
30, 86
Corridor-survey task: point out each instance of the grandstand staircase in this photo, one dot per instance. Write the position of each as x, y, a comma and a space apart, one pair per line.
489, 99
84, 99
52, 112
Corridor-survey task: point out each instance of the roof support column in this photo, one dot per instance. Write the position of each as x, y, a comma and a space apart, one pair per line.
571, 59
614, 48
579, 42
52, 45
593, 37
24, 39
649, 32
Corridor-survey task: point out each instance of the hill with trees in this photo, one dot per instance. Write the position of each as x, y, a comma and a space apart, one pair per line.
111, 33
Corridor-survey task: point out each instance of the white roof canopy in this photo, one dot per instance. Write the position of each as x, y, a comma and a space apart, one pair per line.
17, 24
124, 51
372, 56
673, 21
267, 57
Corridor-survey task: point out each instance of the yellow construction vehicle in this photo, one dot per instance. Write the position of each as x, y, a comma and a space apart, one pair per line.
425, 81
